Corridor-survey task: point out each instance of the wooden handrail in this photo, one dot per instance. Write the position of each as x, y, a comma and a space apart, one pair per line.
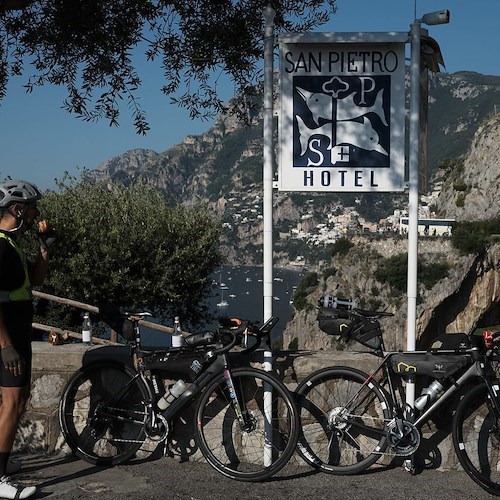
93, 309
68, 333
67, 302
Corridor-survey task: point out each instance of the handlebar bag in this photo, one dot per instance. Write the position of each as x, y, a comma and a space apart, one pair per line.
432, 365
448, 341
176, 363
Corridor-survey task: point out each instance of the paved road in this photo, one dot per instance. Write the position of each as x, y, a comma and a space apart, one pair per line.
167, 478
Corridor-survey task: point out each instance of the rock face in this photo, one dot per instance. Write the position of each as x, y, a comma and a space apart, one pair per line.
473, 188
468, 298
472, 304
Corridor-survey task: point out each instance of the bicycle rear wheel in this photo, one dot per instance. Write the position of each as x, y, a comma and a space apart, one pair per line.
103, 412
249, 452
342, 420
476, 437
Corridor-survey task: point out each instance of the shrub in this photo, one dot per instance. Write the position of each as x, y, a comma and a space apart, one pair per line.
394, 272
472, 237
430, 274
459, 185
331, 271
307, 285
341, 247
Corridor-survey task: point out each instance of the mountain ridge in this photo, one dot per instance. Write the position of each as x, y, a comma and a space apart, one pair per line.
223, 168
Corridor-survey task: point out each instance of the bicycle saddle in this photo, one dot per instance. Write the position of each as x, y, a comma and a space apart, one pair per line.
373, 314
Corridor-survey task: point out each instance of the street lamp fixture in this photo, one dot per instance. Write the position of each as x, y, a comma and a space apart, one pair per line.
439, 17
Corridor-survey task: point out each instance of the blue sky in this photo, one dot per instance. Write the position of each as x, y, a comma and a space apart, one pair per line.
39, 141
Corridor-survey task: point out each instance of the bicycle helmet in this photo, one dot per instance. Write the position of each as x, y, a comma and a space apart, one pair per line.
18, 192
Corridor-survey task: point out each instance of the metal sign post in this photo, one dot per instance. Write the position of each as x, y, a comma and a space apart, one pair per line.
267, 365
414, 168
414, 150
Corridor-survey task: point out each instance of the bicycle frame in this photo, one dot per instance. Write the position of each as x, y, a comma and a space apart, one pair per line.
475, 370
218, 366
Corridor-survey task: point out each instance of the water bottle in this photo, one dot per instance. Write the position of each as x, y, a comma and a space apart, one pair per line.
177, 335
172, 394
429, 394
86, 330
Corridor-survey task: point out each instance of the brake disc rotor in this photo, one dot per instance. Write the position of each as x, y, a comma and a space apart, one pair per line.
336, 418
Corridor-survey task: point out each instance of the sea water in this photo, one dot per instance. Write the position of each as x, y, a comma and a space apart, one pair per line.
243, 290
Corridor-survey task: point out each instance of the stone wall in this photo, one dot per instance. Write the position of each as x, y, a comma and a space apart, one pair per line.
54, 365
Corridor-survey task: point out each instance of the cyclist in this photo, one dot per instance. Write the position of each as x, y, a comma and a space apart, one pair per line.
18, 212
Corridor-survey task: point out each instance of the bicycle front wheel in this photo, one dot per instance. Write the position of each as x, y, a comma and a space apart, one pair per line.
103, 413
476, 437
342, 420
254, 439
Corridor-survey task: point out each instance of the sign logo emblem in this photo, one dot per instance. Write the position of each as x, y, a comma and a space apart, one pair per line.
341, 121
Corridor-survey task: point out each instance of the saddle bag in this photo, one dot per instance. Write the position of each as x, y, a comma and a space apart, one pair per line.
350, 326
438, 366
334, 322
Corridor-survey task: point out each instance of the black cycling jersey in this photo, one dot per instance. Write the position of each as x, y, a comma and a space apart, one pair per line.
18, 315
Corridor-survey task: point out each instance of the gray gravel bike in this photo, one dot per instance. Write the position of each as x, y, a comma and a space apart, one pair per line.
350, 419
246, 420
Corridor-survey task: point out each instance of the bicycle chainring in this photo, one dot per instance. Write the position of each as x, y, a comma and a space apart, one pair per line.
159, 431
406, 444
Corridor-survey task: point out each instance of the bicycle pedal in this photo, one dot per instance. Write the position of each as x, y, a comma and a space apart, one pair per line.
408, 466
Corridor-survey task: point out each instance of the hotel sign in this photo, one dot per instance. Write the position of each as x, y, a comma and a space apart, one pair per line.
342, 112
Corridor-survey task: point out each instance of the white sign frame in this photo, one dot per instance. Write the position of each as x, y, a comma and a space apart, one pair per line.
342, 112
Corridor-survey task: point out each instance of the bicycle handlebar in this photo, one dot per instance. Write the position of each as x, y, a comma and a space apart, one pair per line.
260, 333
244, 328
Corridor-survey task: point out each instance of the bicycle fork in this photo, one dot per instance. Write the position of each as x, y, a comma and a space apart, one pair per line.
241, 415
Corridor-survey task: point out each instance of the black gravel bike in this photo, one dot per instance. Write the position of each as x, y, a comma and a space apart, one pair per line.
246, 420
350, 419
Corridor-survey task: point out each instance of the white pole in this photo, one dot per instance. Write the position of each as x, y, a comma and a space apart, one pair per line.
414, 156
268, 162
269, 14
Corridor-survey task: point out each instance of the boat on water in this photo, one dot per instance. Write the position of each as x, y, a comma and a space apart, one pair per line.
223, 302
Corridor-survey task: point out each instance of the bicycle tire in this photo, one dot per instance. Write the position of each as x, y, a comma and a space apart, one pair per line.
239, 453
327, 441
476, 438
102, 413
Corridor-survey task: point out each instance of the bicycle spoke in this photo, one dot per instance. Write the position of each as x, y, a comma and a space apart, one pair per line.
343, 421
103, 414
476, 436
238, 449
